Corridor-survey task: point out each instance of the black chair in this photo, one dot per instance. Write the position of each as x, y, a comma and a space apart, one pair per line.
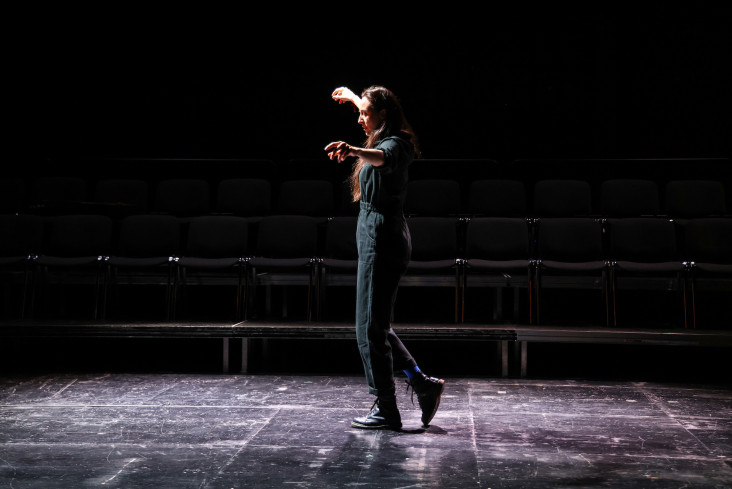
497, 198
320, 168
645, 258
562, 198
436, 260
708, 252
257, 168
432, 198
285, 256
215, 253
73, 256
306, 197
498, 256
21, 239
629, 198
246, 197
122, 197
571, 256
459, 169
144, 258
57, 195
13, 195
339, 262
182, 197
689, 199
346, 205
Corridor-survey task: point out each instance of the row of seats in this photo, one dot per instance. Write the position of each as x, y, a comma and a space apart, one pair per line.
282, 250
427, 197
563, 197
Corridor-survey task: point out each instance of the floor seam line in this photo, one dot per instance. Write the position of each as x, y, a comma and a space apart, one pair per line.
204, 483
659, 403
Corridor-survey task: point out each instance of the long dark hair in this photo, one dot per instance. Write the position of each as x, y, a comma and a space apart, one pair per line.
381, 98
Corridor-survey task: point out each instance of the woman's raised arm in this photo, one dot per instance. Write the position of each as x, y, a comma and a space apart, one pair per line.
344, 94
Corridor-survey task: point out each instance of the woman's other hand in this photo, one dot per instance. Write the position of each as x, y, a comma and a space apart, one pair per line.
339, 150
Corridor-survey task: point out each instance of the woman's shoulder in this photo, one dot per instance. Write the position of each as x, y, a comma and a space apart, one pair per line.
399, 138
398, 151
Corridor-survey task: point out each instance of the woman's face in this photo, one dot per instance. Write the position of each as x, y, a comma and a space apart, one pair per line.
369, 119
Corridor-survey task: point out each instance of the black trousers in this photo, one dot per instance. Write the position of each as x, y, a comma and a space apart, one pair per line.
384, 249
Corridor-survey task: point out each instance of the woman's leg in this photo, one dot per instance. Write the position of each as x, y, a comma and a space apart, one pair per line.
385, 347
376, 288
375, 350
378, 344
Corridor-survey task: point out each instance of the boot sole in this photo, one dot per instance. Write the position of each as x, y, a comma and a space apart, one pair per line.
375, 427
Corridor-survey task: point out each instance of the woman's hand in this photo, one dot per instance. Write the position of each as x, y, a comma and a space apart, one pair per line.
343, 95
339, 150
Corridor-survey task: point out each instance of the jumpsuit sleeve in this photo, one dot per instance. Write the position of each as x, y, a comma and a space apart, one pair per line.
395, 153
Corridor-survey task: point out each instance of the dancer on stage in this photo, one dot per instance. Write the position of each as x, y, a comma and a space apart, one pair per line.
379, 182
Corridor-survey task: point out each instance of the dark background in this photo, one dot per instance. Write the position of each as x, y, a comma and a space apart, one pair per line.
255, 82
502, 84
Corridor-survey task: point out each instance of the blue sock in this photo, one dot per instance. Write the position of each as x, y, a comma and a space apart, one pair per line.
411, 372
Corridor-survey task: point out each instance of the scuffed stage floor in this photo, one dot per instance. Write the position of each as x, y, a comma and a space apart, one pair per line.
265, 431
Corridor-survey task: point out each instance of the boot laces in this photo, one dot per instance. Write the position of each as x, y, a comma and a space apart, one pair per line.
409, 384
374, 405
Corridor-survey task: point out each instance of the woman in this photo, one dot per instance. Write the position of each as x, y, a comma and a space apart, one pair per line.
379, 182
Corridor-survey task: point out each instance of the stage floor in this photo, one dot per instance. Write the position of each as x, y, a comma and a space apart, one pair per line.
266, 431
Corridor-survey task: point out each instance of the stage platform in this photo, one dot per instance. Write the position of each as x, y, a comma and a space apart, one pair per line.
512, 340
173, 430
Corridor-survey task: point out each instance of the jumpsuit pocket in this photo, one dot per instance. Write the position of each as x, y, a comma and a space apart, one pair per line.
367, 234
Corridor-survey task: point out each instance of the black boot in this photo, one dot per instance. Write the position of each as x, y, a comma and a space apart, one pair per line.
384, 415
429, 394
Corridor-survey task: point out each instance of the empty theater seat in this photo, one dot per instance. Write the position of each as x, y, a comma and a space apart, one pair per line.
497, 257
182, 197
432, 197
571, 257
645, 258
497, 198
688, 199
562, 198
629, 198
285, 257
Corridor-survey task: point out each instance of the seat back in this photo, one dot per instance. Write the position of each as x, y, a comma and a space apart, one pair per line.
497, 238
244, 197
217, 237
13, 195
570, 239
131, 193
287, 236
562, 198
694, 198
79, 235
183, 197
50, 190
306, 197
499, 198
340, 238
629, 198
646, 240
433, 238
20, 235
433, 197
148, 235
708, 240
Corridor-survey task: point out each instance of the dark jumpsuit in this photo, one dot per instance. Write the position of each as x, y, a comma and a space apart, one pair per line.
384, 249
